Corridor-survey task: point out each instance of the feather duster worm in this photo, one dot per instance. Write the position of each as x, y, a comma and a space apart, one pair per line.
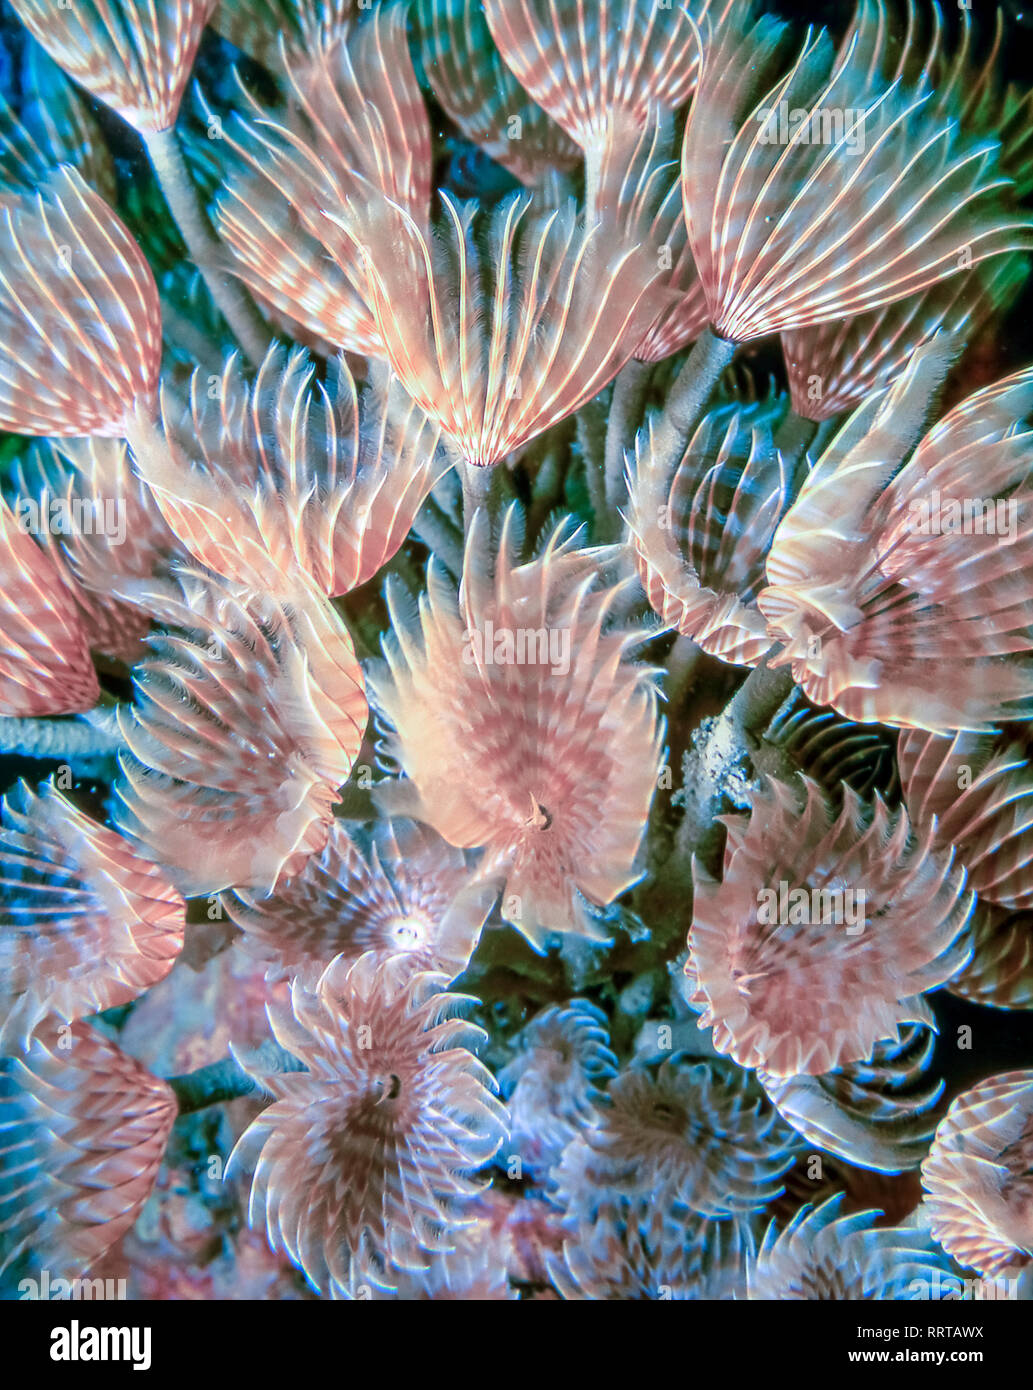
410, 898
606, 72
832, 366
554, 1085
522, 726
287, 481
269, 30
136, 57
596, 67
880, 1113
364, 1165
657, 1195
133, 55
475, 87
477, 1270
913, 48
977, 791
822, 1254
522, 741
627, 1253
634, 191
822, 932
80, 322
1000, 973
873, 564
85, 922
83, 1129
977, 1175
242, 735
832, 750
790, 228
497, 343
55, 127
101, 527
701, 536
45, 665
697, 1136
356, 128
894, 1197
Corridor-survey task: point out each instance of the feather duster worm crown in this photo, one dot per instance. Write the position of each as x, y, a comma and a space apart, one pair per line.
823, 930
411, 292
832, 750
833, 366
694, 1135
875, 563
880, 1113
480, 93
85, 922
80, 322
523, 727
82, 1131
356, 127
700, 536
1000, 973
242, 735
826, 1254
409, 898
978, 790
977, 1175
788, 229
109, 531
592, 65
45, 665
133, 55
554, 1085
497, 343
287, 480
365, 1163
657, 1194
627, 1251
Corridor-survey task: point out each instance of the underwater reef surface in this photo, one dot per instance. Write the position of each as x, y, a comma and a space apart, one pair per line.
516, 598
